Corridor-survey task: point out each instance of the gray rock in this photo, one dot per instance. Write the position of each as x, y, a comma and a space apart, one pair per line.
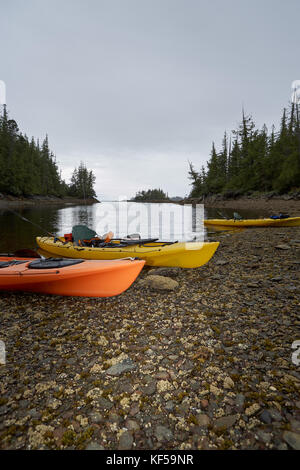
94, 446
34, 413
96, 417
295, 425
187, 365
163, 434
240, 400
121, 367
264, 436
292, 439
132, 425
221, 262
3, 410
265, 417
276, 416
225, 422
160, 283
126, 441
106, 404
282, 446
150, 388
170, 405
203, 420
114, 418
168, 332
283, 247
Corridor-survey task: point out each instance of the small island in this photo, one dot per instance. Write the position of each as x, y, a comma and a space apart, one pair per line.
154, 195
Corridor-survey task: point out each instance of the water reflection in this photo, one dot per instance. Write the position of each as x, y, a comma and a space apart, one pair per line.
16, 233
164, 221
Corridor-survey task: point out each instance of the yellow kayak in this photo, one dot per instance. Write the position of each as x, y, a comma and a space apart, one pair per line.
288, 222
183, 254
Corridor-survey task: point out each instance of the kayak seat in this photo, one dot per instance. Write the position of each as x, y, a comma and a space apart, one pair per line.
82, 232
53, 263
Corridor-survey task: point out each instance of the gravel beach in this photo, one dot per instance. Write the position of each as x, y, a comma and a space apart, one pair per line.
192, 359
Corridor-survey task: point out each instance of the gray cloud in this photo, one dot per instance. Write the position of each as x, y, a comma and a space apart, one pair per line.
136, 87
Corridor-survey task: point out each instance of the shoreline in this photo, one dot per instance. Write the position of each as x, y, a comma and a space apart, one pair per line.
285, 203
207, 365
7, 201
272, 205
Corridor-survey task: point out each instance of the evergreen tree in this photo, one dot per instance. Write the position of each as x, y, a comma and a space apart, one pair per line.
27, 168
82, 183
256, 161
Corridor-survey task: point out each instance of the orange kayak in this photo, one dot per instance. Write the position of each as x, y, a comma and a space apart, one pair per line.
88, 278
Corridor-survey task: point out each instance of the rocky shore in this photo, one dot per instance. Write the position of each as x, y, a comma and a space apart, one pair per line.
203, 361
6, 200
272, 203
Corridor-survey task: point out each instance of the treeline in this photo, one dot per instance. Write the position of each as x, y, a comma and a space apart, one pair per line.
151, 195
28, 168
253, 160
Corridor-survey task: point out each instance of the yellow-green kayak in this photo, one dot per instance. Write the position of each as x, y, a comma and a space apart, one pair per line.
288, 222
179, 254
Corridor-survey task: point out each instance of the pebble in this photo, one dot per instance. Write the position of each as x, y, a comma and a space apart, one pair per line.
94, 446
125, 441
160, 283
203, 420
170, 405
264, 436
150, 389
240, 400
163, 433
292, 439
225, 422
121, 367
266, 417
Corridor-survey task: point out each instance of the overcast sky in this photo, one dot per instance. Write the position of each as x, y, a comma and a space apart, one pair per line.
136, 88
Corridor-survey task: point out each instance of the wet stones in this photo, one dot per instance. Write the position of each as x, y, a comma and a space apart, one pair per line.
121, 367
292, 439
125, 441
225, 422
162, 433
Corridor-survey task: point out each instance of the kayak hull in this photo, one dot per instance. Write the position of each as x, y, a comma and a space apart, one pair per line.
290, 222
87, 279
183, 255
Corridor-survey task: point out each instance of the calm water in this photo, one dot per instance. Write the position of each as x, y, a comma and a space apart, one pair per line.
163, 221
